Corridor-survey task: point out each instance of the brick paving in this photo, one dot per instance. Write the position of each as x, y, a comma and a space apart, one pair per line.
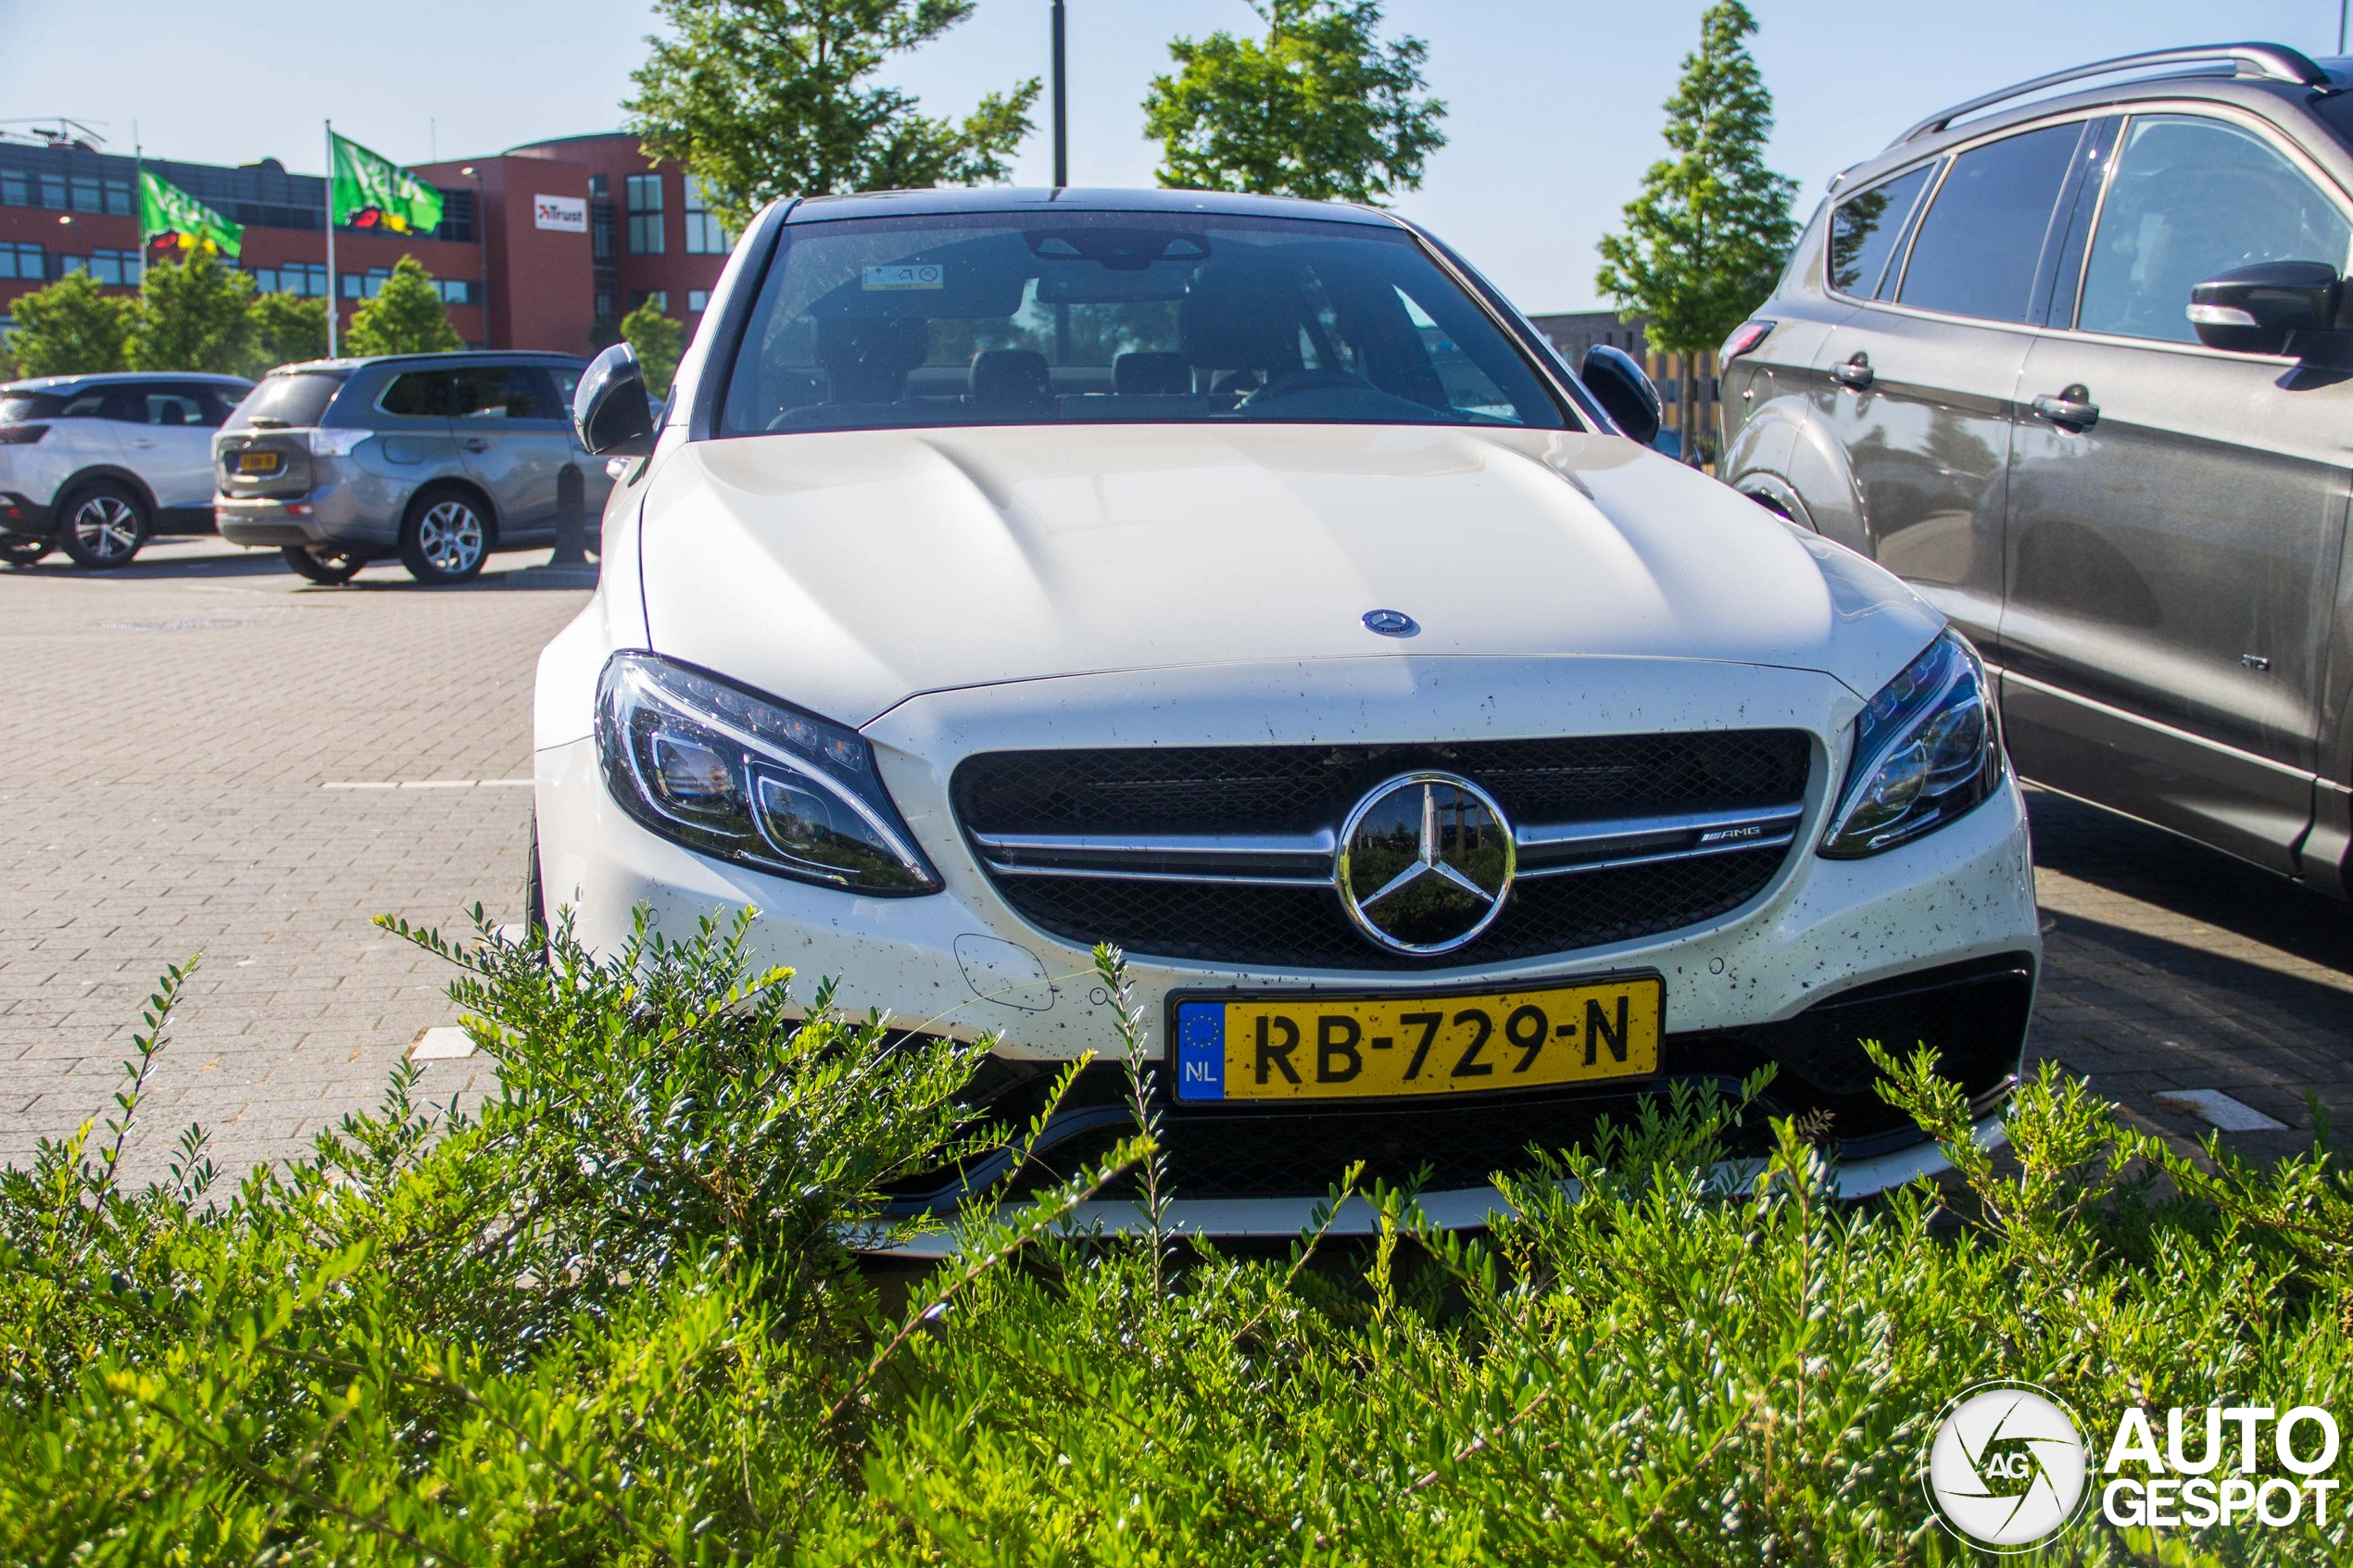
163, 743
2168, 966
166, 732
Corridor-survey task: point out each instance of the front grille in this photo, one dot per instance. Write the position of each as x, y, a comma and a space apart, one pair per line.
1285, 802
1246, 789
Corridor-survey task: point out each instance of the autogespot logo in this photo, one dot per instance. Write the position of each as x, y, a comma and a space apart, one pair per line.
2007, 1466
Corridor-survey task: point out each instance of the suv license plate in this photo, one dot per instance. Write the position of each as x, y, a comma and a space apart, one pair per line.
1301, 1045
256, 463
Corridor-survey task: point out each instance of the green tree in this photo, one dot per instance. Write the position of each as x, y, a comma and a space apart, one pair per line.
406, 317
659, 341
1319, 109
287, 330
70, 328
194, 315
766, 98
1712, 224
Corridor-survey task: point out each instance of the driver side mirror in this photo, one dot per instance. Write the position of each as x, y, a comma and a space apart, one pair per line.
609, 411
2252, 309
1625, 393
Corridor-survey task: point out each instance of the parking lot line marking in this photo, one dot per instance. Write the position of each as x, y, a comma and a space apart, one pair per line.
444, 1043
429, 784
2214, 1106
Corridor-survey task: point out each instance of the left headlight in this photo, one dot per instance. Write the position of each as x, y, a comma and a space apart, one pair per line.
748, 779
1926, 751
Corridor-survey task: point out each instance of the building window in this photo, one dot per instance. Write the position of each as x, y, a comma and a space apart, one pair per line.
292, 277
14, 189
365, 286
118, 199
456, 217
645, 214
52, 192
456, 291
106, 266
23, 261
657, 298
704, 234
698, 301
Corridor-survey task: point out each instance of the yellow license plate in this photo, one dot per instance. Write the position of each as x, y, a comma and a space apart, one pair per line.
1299, 1045
256, 463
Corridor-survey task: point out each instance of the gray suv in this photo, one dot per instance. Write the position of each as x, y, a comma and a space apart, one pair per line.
437, 459
2081, 373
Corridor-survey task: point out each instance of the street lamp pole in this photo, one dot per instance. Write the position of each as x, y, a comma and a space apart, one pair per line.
1062, 108
482, 243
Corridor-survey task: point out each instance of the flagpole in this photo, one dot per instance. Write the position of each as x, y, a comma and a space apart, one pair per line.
334, 299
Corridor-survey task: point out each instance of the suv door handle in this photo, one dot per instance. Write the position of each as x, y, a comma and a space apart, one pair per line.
477, 444
1856, 373
2070, 409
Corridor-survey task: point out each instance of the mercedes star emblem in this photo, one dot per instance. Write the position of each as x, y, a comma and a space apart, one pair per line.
1391, 622
1425, 863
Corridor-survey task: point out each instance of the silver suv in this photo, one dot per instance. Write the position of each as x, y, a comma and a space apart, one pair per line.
2081, 370
437, 459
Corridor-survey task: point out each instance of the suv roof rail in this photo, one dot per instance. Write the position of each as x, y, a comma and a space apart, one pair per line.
2268, 62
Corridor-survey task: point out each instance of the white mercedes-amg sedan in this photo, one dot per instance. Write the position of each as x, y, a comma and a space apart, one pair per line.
1245, 582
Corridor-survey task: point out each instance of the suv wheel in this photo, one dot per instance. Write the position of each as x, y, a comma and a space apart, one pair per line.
327, 566
21, 551
444, 537
105, 524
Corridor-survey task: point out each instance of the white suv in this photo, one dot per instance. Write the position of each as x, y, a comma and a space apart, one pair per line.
97, 464
1242, 582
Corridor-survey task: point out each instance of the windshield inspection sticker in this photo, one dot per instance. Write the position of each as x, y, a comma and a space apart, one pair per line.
906, 275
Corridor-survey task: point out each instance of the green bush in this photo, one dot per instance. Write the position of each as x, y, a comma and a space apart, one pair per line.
610, 1317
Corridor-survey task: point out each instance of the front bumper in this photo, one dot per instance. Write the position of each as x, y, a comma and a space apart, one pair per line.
1952, 910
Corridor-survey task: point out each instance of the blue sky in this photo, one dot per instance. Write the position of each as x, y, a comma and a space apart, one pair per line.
1554, 103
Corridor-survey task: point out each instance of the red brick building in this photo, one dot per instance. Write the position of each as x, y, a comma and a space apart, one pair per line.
544, 246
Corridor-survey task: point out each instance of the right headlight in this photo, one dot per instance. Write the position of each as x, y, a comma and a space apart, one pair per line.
1926, 751
748, 779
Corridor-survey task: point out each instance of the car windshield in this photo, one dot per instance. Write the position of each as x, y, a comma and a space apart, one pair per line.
294, 401
1093, 317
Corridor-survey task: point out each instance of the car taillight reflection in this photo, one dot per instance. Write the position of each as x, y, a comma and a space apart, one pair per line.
21, 435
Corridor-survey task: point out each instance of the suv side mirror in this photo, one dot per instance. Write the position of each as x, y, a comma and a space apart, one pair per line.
609, 411
2252, 309
1623, 391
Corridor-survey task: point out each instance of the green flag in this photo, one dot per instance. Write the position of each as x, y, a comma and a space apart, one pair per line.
372, 192
167, 212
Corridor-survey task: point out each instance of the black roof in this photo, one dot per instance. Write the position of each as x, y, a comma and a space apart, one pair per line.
1032, 199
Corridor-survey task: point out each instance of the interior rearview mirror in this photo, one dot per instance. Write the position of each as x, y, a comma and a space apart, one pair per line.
609, 411
2252, 309
1625, 393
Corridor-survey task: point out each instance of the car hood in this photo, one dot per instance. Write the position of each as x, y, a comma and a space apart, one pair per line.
848, 570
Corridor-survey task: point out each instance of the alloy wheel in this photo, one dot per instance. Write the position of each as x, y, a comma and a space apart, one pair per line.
450, 537
107, 528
